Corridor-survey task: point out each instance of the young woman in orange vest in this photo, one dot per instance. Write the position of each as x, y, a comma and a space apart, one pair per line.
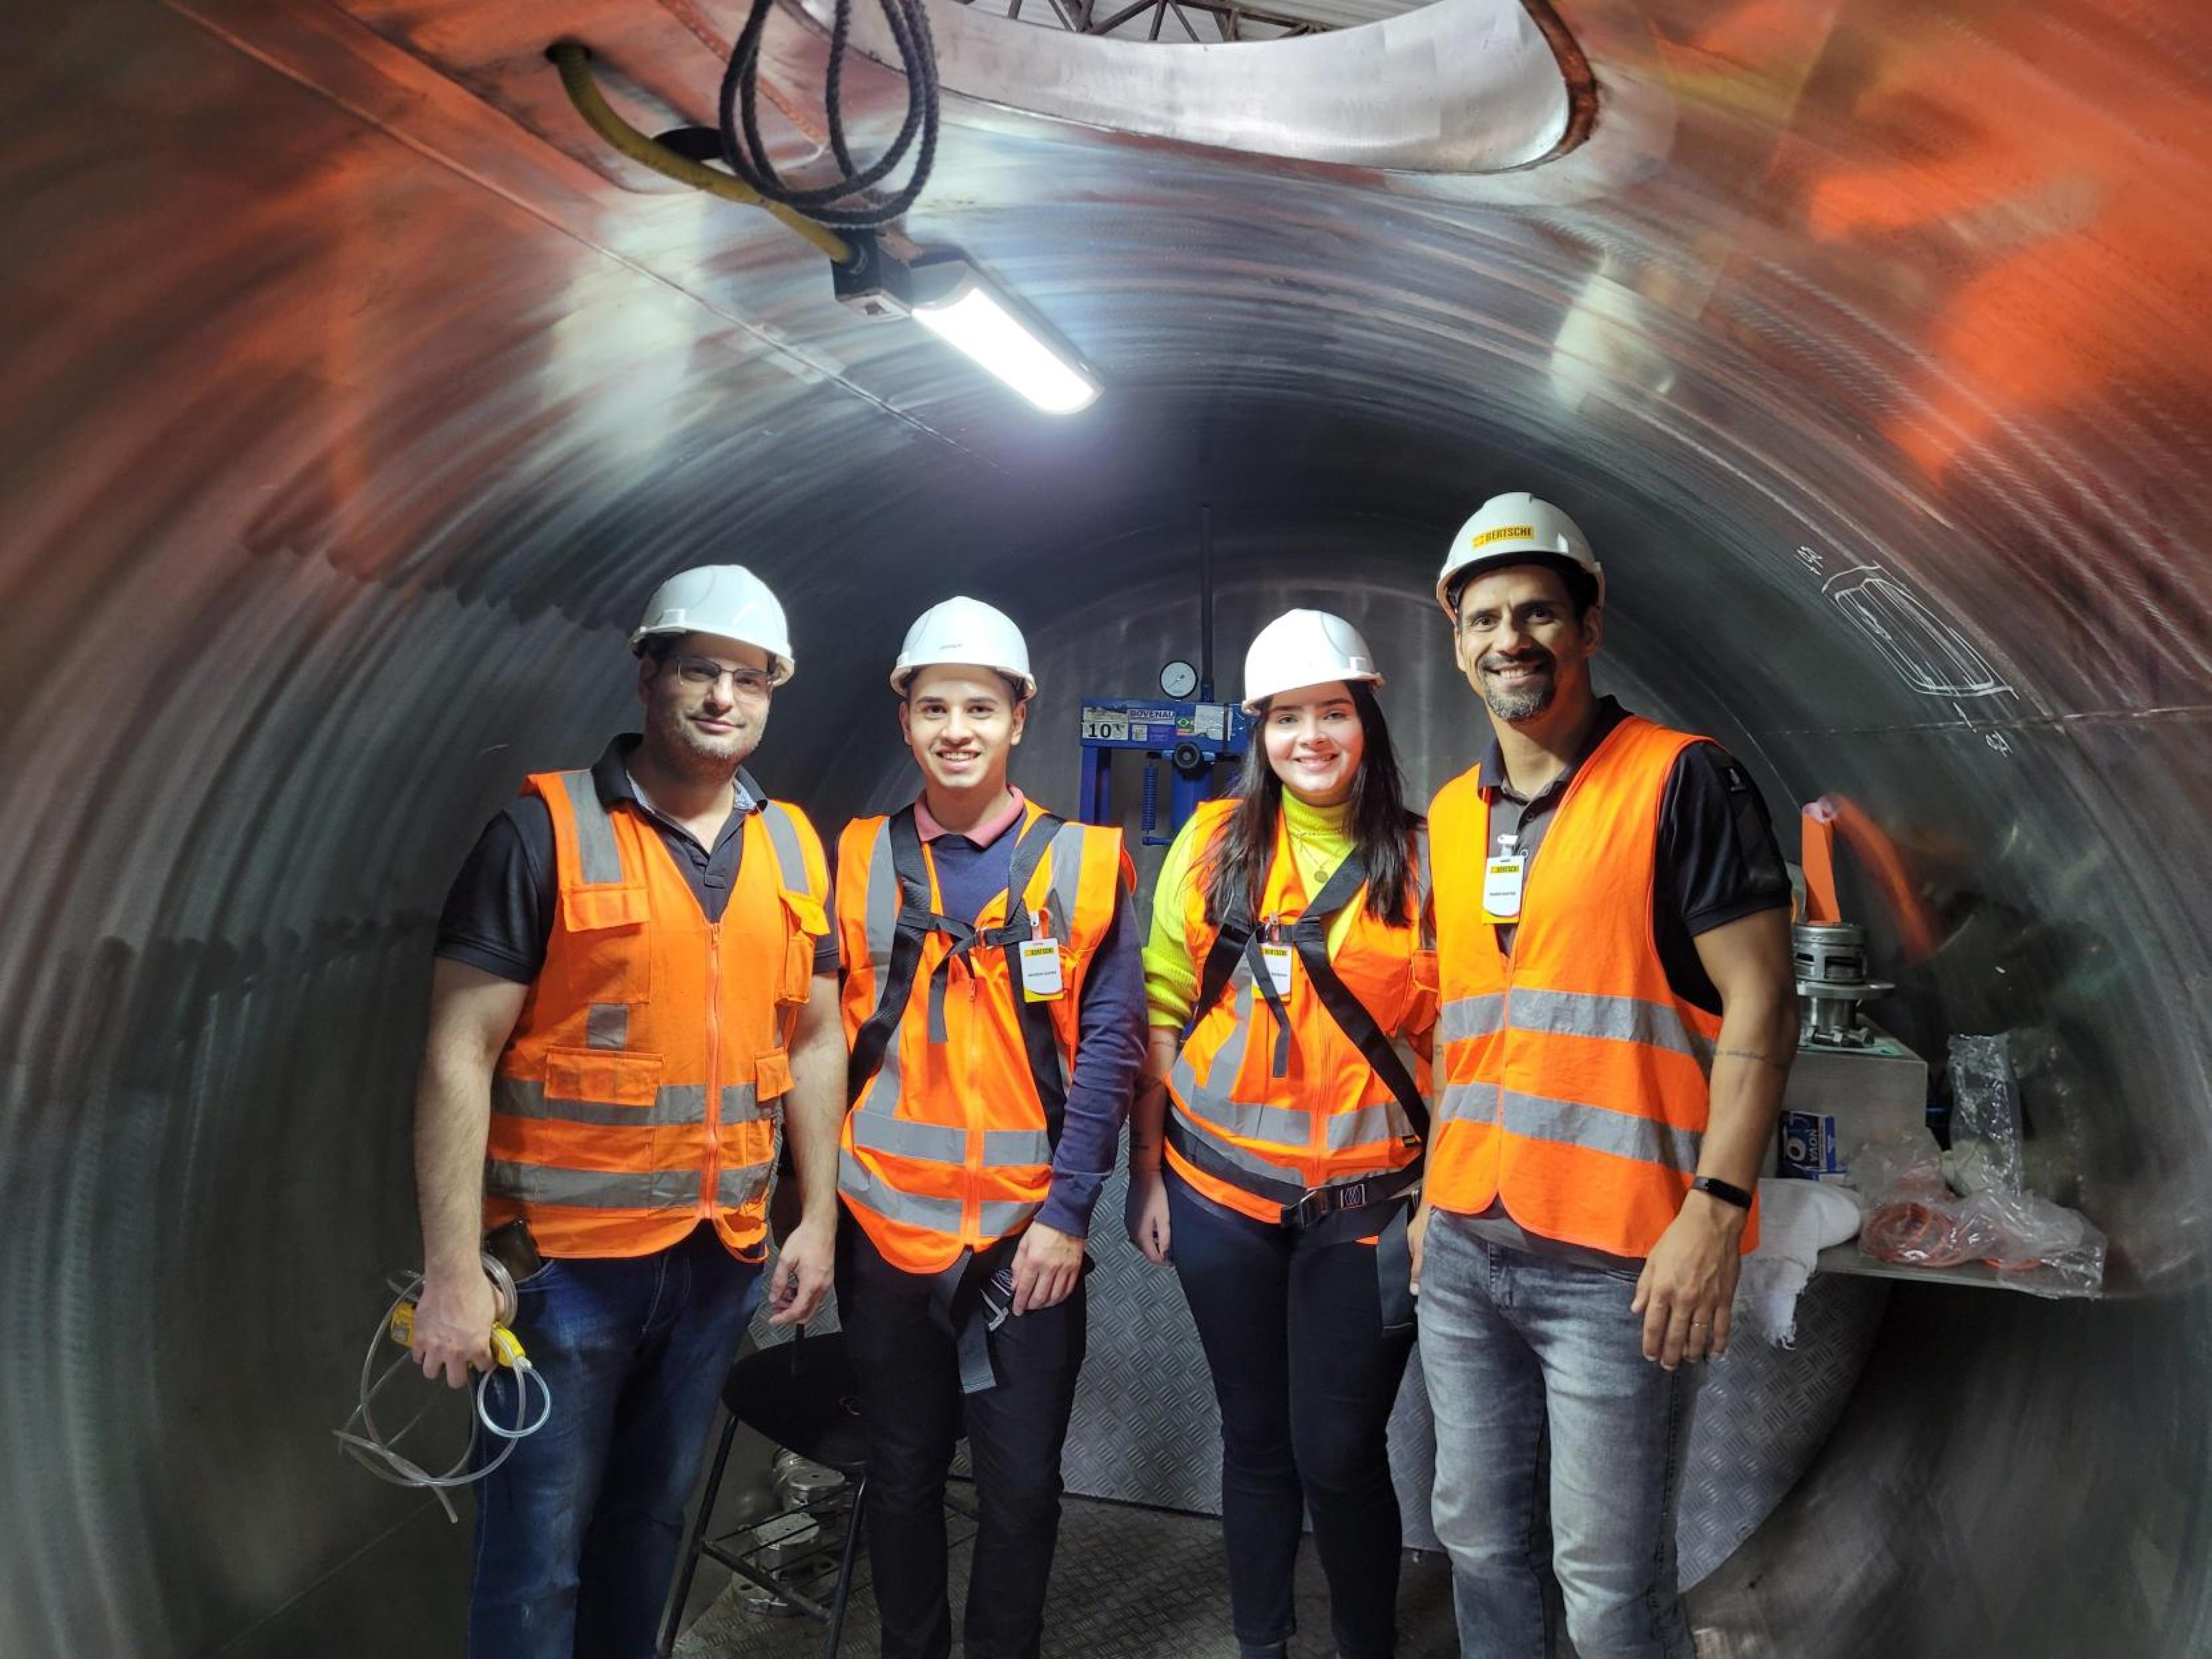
993, 999
1276, 1144
1618, 1019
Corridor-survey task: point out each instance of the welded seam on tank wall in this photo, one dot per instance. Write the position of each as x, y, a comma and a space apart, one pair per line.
814, 368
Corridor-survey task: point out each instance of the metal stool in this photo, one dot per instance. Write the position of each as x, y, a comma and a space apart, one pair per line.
800, 1396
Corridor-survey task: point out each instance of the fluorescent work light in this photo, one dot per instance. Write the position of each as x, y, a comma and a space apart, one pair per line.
974, 321
955, 303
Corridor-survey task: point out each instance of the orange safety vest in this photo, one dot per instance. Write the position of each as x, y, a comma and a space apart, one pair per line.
1266, 1108
640, 1091
957, 1078
1574, 1082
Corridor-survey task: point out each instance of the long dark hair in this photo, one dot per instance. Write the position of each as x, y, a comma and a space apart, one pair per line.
1237, 871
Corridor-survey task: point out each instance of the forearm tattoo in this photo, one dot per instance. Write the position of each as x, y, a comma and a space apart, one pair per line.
1759, 1055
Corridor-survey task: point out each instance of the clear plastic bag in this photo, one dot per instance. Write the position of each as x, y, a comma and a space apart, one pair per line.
1913, 1219
1986, 1154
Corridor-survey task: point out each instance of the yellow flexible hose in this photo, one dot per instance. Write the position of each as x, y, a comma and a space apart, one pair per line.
575, 62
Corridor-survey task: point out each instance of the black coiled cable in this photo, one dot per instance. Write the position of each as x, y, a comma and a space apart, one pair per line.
844, 203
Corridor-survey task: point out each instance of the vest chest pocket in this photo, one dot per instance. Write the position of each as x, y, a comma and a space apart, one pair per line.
804, 925
603, 954
602, 1077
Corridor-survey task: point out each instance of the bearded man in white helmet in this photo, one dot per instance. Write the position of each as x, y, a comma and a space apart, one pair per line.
994, 1000
635, 981
1617, 1022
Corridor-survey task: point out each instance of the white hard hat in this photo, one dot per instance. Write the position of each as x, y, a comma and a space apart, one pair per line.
726, 600
1305, 647
964, 630
1508, 529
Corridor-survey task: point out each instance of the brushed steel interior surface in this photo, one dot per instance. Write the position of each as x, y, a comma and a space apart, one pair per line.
355, 406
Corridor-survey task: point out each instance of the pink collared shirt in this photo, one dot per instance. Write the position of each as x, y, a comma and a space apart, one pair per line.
983, 834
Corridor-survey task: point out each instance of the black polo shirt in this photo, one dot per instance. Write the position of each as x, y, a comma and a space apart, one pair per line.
1718, 859
499, 913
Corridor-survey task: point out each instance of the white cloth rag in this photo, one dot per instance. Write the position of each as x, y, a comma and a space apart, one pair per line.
1798, 1219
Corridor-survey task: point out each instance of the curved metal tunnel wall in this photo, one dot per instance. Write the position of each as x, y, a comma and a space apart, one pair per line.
350, 424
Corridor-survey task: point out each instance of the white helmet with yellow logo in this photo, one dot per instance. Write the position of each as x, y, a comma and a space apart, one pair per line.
1515, 528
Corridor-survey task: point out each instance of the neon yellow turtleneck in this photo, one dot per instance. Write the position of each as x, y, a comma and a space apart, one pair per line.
1320, 837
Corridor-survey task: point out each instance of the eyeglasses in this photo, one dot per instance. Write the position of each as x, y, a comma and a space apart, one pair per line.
704, 671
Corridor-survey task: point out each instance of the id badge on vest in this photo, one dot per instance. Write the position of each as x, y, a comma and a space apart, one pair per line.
1280, 960
1502, 878
1041, 981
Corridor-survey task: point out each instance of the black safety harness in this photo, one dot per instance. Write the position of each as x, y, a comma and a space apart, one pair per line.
1239, 941
956, 1294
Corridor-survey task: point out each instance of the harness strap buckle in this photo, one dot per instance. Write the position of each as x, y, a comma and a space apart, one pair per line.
1316, 1204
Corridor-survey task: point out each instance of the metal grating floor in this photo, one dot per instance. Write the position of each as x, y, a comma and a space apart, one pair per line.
1129, 1581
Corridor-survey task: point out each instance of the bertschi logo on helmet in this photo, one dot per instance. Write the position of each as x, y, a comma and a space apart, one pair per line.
1506, 528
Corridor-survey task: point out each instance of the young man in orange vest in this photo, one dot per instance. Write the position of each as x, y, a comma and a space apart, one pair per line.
994, 1003
636, 981
1617, 1018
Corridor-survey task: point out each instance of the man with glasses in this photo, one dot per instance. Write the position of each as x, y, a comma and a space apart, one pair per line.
636, 983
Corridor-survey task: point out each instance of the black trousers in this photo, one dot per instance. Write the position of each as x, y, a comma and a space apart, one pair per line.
1306, 1377
911, 1402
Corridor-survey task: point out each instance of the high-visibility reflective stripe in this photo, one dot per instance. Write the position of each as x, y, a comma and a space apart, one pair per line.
735, 1188
943, 1143
741, 1104
858, 1182
591, 1189
1385, 1120
1568, 1123
1467, 1100
1288, 1128
1244, 1157
885, 1132
882, 903
595, 833
606, 1025
790, 856
672, 1103
1229, 1058
1001, 1216
1471, 1017
1621, 1020
1014, 1149
1425, 875
1065, 858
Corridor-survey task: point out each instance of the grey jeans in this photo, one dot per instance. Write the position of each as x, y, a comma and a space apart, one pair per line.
1525, 1354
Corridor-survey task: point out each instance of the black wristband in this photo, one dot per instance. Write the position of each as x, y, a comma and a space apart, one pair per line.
1725, 1191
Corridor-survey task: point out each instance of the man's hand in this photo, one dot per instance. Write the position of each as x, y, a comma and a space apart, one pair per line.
1689, 1283
803, 1267
1048, 1263
1146, 1212
1416, 1231
453, 1324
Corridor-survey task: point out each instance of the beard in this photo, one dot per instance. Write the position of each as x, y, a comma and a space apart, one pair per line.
1529, 699
684, 748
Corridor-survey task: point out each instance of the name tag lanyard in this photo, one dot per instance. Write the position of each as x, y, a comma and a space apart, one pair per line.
1505, 872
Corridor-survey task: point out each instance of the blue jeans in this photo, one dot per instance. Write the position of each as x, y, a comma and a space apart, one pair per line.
1524, 1353
578, 1532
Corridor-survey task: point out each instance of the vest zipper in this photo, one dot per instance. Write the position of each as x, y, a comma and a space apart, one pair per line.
711, 1171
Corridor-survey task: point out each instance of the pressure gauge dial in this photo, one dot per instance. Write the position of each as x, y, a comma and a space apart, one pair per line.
1178, 679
